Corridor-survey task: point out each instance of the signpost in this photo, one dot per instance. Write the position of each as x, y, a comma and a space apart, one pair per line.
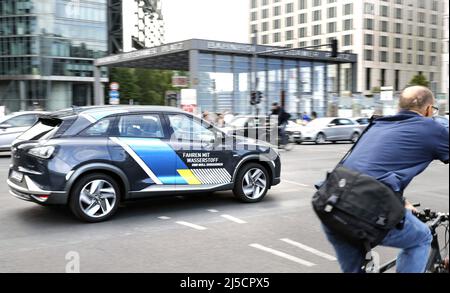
189, 100
114, 98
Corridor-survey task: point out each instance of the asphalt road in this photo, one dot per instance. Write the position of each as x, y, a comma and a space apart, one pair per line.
210, 234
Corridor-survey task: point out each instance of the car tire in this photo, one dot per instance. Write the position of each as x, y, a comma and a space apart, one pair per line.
355, 137
320, 138
248, 189
95, 198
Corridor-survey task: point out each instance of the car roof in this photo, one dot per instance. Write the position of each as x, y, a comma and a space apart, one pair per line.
98, 112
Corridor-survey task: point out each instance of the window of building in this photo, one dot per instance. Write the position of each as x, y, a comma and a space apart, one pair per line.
410, 15
410, 29
369, 8
421, 17
433, 47
433, 33
398, 13
368, 39
420, 60
347, 40
398, 28
317, 42
398, 57
397, 80
331, 12
368, 55
317, 15
384, 11
368, 23
331, 27
317, 2
384, 56
409, 58
434, 19
254, 3
384, 26
276, 37
302, 32
289, 35
254, 15
398, 43
383, 77
302, 44
265, 13
302, 18
317, 30
348, 24
265, 39
289, 7
289, 21
348, 9
433, 61
276, 24
265, 26
435, 5
420, 45
384, 41
302, 4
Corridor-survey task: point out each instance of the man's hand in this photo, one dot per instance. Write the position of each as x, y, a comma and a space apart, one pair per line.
409, 206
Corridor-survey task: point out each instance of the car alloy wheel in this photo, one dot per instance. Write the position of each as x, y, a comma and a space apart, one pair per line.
355, 137
254, 183
320, 138
97, 198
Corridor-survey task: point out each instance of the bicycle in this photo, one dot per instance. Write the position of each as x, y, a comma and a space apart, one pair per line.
438, 260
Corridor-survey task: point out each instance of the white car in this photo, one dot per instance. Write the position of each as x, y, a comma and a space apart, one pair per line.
11, 126
294, 130
334, 129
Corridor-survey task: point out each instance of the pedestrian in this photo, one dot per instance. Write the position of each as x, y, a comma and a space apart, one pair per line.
394, 151
313, 115
283, 118
306, 117
220, 121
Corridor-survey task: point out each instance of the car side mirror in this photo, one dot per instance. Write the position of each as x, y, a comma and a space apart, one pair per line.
331, 125
5, 126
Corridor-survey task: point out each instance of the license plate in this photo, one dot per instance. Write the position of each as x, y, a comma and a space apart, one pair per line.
17, 176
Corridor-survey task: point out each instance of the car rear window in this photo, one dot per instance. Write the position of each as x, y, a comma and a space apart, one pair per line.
45, 128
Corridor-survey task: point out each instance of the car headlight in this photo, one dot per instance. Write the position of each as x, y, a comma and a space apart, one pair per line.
43, 152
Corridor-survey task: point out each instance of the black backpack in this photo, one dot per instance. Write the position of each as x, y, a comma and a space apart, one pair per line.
357, 207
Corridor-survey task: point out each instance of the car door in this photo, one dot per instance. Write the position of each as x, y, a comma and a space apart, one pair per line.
203, 157
138, 146
332, 130
346, 128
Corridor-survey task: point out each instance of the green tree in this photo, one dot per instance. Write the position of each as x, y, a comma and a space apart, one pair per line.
129, 88
153, 84
419, 79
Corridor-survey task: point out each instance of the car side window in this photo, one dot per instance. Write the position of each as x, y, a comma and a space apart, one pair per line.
140, 125
22, 120
189, 129
99, 129
345, 122
335, 121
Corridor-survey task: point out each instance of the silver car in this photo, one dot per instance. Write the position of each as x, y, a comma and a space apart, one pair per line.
334, 129
11, 126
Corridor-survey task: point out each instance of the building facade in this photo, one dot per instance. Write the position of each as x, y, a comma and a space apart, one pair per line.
47, 49
445, 58
223, 74
394, 39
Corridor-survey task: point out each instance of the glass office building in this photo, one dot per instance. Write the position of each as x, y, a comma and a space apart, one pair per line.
47, 50
221, 73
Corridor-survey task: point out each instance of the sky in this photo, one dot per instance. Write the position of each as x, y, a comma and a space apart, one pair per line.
221, 20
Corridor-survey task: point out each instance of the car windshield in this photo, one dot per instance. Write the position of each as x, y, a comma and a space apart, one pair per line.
43, 129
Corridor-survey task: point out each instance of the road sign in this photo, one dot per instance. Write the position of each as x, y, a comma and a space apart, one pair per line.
114, 86
114, 98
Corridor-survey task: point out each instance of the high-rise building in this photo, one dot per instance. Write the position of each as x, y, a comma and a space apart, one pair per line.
445, 55
135, 24
394, 39
47, 49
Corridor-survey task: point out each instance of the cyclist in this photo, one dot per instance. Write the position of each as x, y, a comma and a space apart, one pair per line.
283, 118
395, 150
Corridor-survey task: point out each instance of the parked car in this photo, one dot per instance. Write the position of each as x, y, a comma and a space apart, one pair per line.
92, 158
11, 126
322, 130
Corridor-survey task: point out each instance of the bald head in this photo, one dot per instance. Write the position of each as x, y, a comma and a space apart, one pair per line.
416, 98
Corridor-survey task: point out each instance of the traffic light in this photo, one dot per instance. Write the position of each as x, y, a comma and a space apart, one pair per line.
255, 98
334, 48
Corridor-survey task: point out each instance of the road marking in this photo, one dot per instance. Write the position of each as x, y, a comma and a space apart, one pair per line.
295, 183
282, 254
234, 219
194, 226
309, 249
164, 218
213, 211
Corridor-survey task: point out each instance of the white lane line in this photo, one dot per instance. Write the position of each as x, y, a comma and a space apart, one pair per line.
282, 254
213, 211
295, 183
234, 219
164, 218
194, 226
309, 249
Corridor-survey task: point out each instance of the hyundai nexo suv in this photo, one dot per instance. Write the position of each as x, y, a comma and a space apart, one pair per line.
93, 158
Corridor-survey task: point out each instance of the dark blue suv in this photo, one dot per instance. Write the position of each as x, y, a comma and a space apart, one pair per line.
93, 158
